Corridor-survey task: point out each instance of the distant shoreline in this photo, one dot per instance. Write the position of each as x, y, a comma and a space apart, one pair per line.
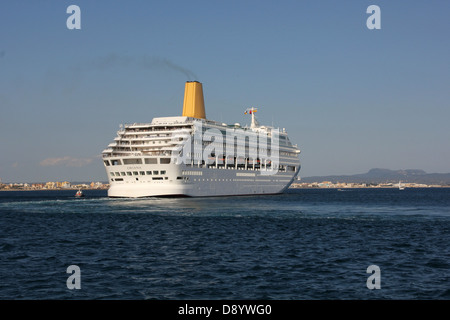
59, 189
291, 187
327, 184
361, 186
384, 187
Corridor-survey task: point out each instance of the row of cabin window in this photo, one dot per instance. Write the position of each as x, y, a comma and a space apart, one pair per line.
118, 162
153, 178
137, 173
202, 164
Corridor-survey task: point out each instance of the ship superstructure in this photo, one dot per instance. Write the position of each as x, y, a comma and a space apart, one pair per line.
193, 156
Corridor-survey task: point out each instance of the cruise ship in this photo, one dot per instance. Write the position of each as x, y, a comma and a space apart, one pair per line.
193, 156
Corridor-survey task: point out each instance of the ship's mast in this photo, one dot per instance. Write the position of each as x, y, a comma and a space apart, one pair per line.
252, 111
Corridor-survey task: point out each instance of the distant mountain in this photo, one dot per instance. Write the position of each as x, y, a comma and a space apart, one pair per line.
386, 176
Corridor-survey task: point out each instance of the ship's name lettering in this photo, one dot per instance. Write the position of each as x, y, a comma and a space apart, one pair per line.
133, 167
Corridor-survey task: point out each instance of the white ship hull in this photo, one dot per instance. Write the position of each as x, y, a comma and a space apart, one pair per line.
202, 182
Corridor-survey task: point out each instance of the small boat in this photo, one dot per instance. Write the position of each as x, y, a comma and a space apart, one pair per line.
79, 194
400, 187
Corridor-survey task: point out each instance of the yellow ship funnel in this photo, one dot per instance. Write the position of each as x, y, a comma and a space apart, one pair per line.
194, 104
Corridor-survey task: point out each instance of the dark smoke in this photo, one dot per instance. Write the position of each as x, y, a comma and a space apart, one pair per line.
146, 62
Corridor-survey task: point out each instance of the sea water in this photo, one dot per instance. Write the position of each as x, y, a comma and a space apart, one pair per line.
303, 244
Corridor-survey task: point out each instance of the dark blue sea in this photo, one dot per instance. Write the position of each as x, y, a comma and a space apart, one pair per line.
304, 244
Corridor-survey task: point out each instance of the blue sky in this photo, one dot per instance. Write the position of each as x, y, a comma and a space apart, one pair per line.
351, 98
